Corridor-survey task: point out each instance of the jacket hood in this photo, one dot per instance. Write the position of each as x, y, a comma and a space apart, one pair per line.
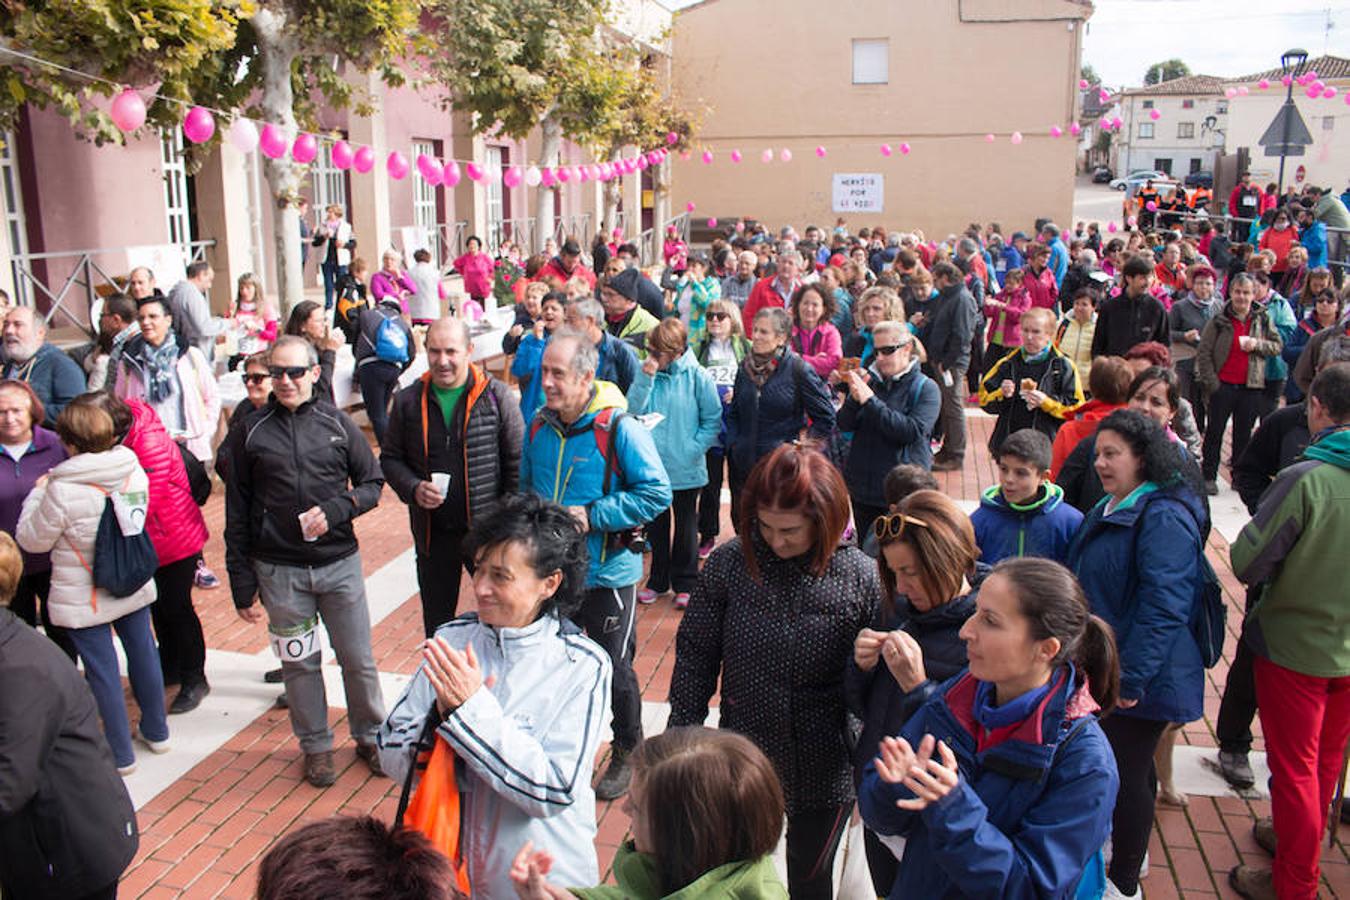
1333, 448
604, 394
107, 470
1046, 500
1094, 411
1179, 493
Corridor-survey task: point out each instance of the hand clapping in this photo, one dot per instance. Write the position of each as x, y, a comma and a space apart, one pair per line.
929, 779
454, 675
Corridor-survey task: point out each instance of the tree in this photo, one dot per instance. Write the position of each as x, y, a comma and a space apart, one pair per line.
270, 57
1089, 74
1166, 70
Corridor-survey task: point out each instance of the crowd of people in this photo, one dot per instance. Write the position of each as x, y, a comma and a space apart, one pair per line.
993, 692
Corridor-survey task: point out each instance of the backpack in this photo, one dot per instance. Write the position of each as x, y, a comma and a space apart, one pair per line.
603, 426
1209, 618
123, 562
391, 341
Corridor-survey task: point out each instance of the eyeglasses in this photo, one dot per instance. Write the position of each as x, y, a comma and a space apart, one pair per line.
717, 316
294, 373
888, 350
1330, 300
892, 526
256, 377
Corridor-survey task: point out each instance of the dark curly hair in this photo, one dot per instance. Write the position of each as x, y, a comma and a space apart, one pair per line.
1163, 374
1160, 457
553, 537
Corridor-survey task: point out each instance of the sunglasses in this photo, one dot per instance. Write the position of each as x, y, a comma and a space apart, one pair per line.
892, 526
1330, 300
294, 373
718, 316
256, 377
888, 350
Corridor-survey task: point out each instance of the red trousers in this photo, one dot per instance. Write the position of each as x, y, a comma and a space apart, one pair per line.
1305, 721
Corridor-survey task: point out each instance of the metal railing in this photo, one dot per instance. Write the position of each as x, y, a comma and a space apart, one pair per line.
650, 242
450, 238
83, 277
578, 227
1338, 239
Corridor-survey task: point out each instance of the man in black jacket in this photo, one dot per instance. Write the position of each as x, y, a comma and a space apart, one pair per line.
451, 452
946, 333
1134, 317
67, 826
302, 471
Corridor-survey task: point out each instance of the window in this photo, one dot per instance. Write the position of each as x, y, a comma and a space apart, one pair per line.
11, 205
1145, 130
1185, 129
1196, 164
1328, 123
175, 188
330, 182
1148, 104
1221, 107
1188, 104
496, 160
1163, 165
424, 202
871, 61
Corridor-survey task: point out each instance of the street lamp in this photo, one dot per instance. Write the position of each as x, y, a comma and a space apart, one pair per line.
1291, 67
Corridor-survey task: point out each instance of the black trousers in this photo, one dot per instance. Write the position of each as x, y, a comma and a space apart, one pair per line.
182, 646
812, 840
1133, 742
1233, 727
881, 863
864, 516
710, 497
1270, 399
378, 380
675, 555
1240, 403
31, 596
735, 483
1190, 389
439, 572
976, 367
608, 616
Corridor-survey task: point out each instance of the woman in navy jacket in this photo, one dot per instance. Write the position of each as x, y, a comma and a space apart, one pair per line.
1002, 783
1138, 557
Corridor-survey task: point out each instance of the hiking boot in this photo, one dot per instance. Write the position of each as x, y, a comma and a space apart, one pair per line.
1252, 883
190, 696
617, 776
1236, 769
370, 755
319, 769
1263, 832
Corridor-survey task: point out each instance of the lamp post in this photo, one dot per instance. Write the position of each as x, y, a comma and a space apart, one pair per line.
1291, 67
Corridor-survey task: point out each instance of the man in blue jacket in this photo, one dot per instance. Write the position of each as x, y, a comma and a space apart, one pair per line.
54, 377
585, 453
616, 360
1059, 254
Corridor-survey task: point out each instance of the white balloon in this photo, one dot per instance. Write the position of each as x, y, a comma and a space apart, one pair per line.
243, 134
533, 176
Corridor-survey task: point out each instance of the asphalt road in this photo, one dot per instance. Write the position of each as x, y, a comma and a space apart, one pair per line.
1095, 202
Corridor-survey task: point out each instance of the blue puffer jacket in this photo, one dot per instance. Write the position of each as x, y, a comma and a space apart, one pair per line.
1044, 527
562, 463
684, 393
618, 362
1029, 813
1140, 569
760, 419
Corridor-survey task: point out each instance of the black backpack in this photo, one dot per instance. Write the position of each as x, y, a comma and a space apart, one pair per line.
123, 563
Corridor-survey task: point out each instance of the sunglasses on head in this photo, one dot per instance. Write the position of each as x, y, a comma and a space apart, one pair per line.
892, 526
294, 373
718, 316
888, 349
256, 377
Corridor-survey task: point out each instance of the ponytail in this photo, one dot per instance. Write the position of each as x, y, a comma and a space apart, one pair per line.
1099, 660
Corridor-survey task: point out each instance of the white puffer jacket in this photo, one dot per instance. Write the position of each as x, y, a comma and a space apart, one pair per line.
61, 515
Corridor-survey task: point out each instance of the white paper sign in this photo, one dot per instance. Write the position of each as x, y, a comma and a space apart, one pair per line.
859, 191
164, 260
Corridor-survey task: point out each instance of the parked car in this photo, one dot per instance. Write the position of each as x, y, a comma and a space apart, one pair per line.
1102, 175
1200, 179
1136, 178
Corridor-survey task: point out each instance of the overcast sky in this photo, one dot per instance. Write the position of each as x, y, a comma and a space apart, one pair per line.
1214, 37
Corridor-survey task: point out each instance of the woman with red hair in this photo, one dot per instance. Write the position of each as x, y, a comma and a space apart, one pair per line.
774, 615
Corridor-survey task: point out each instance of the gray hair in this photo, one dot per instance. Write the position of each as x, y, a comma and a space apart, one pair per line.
589, 308
967, 246
889, 325
1051, 229
893, 239
1335, 350
786, 249
778, 318
1241, 278
295, 340
1087, 256
585, 358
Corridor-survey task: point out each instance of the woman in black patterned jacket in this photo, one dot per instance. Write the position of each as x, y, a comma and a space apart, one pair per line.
775, 614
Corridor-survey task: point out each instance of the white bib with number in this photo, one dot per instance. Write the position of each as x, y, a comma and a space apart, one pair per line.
297, 643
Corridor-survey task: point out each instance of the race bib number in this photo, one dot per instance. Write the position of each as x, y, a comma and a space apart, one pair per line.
298, 642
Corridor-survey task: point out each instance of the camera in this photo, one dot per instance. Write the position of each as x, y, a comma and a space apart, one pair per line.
632, 539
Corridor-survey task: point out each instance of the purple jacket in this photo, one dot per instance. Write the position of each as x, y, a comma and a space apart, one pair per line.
17, 478
382, 285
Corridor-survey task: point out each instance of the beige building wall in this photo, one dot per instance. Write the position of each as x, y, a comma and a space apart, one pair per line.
1326, 162
781, 77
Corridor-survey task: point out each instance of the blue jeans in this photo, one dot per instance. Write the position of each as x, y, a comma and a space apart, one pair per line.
100, 670
332, 274
378, 380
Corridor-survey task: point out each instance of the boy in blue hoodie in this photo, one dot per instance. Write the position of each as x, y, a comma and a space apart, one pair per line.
1025, 513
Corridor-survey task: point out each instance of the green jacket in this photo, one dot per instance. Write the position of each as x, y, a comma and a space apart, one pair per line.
1294, 548
638, 880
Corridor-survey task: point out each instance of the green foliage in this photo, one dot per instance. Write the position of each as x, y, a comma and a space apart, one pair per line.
1089, 74
1103, 142
1166, 70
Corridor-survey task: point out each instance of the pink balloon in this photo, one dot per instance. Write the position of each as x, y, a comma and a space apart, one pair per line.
564, 174
1104, 95
1111, 227
583, 174
1056, 131
243, 134
547, 177
1314, 91
1263, 84
1328, 92
396, 164
128, 110
1230, 93
766, 156
474, 171
641, 162
199, 125
364, 160
1116, 123
1287, 81
735, 156
707, 157
305, 148
904, 149
512, 177
1151, 206
431, 170
423, 163
785, 155
1082, 84
1155, 114
342, 155
595, 171
689, 207
820, 151
1075, 129
434, 178
1016, 137
451, 176
712, 223
672, 138
1347, 98
272, 141
989, 139
886, 150
1243, 90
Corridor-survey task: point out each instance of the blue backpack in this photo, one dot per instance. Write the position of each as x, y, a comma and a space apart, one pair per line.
391, 341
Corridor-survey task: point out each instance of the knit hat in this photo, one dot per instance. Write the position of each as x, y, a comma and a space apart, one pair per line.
625, 284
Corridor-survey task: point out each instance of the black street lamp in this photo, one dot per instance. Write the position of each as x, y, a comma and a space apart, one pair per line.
1291, 67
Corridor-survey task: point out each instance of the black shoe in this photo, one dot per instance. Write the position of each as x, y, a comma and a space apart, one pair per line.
1212, 487
618, 775
370, 755
1236, 770
273, 676
190, 696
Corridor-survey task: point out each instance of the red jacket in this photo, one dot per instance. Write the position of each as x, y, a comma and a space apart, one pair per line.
554, 267
762, 296
174, 521
1081, 423
1251, 212
1279, 242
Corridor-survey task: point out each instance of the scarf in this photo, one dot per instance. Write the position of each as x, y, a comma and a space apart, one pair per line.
1039, 357
758, 367
161, 369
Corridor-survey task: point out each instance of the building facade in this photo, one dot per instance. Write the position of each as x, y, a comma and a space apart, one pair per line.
1184, 138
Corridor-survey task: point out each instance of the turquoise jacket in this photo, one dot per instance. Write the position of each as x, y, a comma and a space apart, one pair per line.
1281, 316
685, 394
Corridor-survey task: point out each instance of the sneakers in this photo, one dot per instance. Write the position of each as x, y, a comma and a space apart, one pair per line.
1252, 883
204, 578
124, 771
681, 600
370, 755
319, 769
647, 596
1236, 769
1114, 893
617, 776
1212, 487
153, 746
190, 696
1263, 832
705, 549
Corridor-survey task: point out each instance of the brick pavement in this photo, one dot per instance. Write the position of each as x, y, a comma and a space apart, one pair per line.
203, 835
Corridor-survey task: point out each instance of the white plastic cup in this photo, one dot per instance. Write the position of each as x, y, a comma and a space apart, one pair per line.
441, 481
304, 530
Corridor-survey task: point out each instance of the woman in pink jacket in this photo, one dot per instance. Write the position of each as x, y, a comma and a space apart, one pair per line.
814, 337
477, 268
178, 531
1004, 312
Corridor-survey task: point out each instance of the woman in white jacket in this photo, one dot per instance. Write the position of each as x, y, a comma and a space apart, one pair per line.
520, 695
61, 516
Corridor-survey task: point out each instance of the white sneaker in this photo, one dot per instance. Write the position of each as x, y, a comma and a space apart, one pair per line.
124, 771
1114, 893
154, 746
